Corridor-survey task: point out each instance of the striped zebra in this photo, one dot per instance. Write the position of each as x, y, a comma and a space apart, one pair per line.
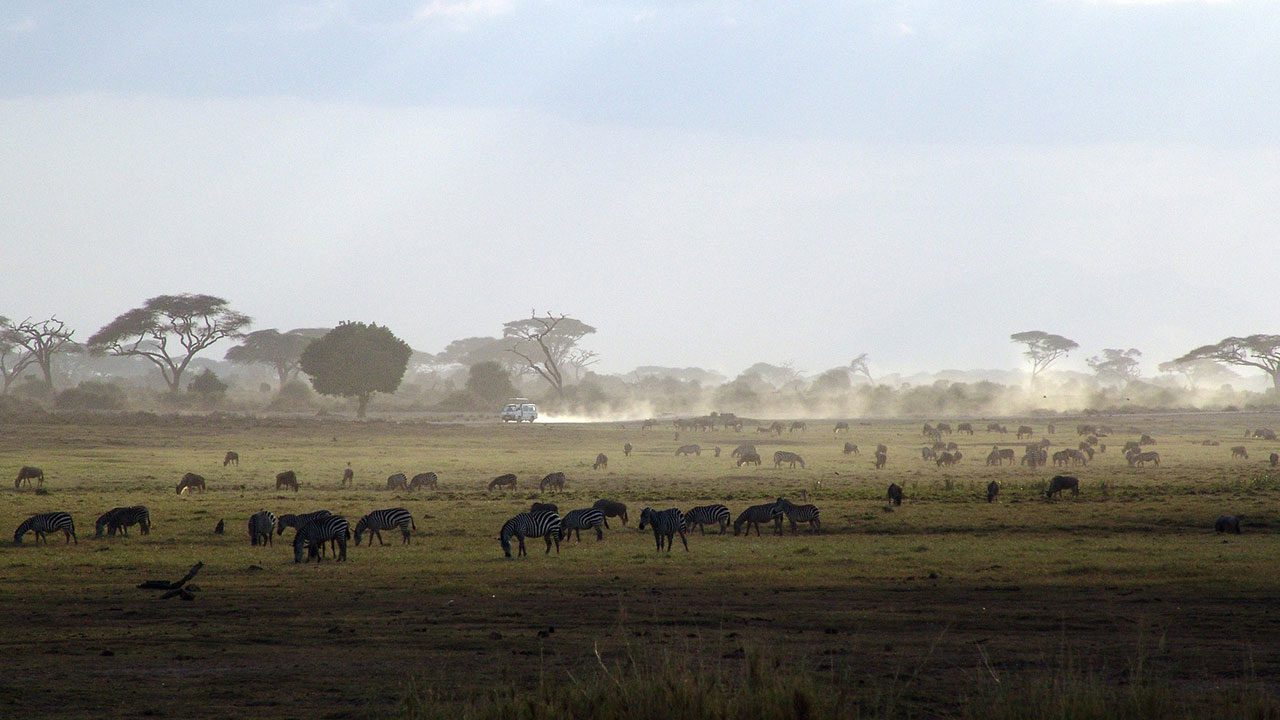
543, 524
45, 523
575, 521
261, 525
121, 519
708, 514
331, 528
757, 515
379, 520
801, 514
666, 523
300, 521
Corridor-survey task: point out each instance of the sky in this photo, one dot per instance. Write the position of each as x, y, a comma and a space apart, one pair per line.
707, 183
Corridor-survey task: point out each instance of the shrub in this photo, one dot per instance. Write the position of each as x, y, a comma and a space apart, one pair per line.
91, 395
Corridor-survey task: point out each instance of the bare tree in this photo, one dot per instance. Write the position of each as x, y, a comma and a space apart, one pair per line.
14, 358
192, 322
1043, 349
860, 366
1116, 365
1256, 351
42, 340
548, 345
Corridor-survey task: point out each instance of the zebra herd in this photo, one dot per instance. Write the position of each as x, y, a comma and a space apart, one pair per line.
115, 520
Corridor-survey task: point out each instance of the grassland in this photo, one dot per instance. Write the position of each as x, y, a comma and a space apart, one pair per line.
910, 612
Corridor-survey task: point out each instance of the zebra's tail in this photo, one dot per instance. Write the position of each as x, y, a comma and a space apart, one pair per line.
412, 524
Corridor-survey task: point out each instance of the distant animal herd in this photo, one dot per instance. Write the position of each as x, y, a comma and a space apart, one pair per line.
315, 530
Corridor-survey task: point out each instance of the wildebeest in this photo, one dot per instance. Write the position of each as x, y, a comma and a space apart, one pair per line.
749, 459
540, 507
798, 425
965, 428
554, 480
943, 429
425, 480
993, 489
626, 449
1227, 523
882, 458
895, 494
508, 480
288, 480
1265, 434
612, 508
851, 449
994, 427
687, 450
1240, 452
602, 461
1025, 431
1062, 482
1086, 429
28, 473
397, 481
190, 481
841, 426
231, 457
1275, 459
1131, 445
782, 456
348, 476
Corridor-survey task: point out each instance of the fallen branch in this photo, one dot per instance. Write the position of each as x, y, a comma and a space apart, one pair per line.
166, 585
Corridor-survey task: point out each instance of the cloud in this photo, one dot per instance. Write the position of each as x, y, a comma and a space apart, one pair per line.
24, 25
461, 13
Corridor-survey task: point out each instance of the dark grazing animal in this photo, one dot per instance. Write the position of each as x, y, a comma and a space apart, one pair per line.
398, 481
1264, 434
1240, 452
993, 489
947, 458
287, 480
1227, 523
612, 508
28, 473
928, 430
666, 524
328, 529
782, 456
262, 527
798, 425
1062, 482
943, 428
121, 519
851, 449
1062, 457
708, 514
297, 521
757, 515
776, 428
508, 480
424, 480
378, 520
687, 450
749, 458
602, 461
231, 457
626, 449
45, 523
531, 525
1275, 459
1025, 431
554, 481
575, 521
841, 426
895, 494
965, 428
1146, 440
801, 514
190, 481
541, 507
928, 453
742, 449
348, 476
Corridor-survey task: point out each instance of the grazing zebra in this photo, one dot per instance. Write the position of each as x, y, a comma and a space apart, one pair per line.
397, 481
798, 425
749, 458
45, 523
575, 521
544, 524
508, 480
554, 480
330, 528
287, 479
801, 514
379, 520
1146, 457
895, 494
708, 514
993, 489
231, 457
1060, 483
612, 508
687, 450
758, 514
121, 519
299, 521
626, 449
782, 456
540, 507
1227, 523
967, 428
190, 481
602, 460
27, 473
348, 476
261, 528
424, 480
666, 523
851, 449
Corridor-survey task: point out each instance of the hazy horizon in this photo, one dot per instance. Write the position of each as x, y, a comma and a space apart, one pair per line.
708, 184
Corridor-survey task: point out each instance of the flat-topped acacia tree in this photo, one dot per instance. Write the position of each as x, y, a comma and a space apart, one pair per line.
169, 331
1043, 349
1260, 351
356, 360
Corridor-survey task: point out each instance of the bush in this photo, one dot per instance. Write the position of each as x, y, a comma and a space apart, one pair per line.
207, 386
295, 396
91, 395
461, 401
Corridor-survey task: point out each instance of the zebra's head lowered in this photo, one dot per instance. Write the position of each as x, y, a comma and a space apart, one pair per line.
646, 517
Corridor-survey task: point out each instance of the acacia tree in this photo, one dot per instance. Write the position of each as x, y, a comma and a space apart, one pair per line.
283, 351
1116, 365
1043, 349
356, 360
490, 382
42, 340
191, 322
860, 366
1256, 351
14, 358
1198, 371
548, 346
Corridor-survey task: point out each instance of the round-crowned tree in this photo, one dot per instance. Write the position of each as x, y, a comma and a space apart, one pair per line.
356, 360
490, 382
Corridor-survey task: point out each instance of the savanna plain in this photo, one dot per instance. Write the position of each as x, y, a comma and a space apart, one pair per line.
1119, 602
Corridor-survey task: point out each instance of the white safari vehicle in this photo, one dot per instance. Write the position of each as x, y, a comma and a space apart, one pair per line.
519, 410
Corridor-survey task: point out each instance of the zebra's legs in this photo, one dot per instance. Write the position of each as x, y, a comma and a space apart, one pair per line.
599, 534
683, 540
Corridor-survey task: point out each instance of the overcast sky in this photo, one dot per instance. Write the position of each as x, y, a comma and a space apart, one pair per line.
707, 183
